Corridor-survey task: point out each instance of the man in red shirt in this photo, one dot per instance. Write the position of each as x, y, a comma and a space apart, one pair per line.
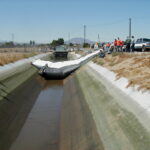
119, 45
115, 45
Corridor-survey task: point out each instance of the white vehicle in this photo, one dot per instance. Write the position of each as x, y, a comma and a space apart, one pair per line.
142, 44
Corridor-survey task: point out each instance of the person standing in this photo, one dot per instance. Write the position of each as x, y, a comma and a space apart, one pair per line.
115, 45
128, 43
132, 44
121, 45
118, 44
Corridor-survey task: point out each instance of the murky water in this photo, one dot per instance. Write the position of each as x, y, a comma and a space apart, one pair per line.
39, 129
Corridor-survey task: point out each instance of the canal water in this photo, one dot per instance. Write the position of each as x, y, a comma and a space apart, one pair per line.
46, 115
30, 119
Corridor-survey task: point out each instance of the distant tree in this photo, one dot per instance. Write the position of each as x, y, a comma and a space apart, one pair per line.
9, 44
32, 43
58, 42
54, 43
86, 45
71, 44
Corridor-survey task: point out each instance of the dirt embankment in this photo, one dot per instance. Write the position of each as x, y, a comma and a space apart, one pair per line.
134, 67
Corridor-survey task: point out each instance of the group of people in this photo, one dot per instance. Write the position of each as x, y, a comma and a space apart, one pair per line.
114, 46
118, 44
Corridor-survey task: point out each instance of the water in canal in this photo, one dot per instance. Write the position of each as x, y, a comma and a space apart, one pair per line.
30, 120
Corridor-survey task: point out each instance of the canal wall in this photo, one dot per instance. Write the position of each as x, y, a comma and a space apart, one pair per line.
77, 127
15, 109
141, 97
14, 74
121, 122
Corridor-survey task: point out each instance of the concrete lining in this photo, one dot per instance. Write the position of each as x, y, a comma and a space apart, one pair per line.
118, 127
14, 74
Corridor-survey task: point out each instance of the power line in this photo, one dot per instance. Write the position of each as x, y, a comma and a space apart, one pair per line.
108, 24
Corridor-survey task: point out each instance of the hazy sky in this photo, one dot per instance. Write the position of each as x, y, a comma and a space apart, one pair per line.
45, 20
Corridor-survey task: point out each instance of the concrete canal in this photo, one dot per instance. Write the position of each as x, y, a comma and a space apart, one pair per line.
41, 115
78, 113
29, 118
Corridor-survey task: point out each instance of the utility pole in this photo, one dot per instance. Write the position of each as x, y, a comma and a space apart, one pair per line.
98, 39
84, 33
12, 36
129, 28
69, 38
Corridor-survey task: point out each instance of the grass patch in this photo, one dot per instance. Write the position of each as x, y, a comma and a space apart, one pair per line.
6, 58
98, 61
117, 54
112, 63
134, 67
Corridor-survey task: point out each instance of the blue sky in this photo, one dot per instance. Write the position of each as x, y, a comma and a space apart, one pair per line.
45, 20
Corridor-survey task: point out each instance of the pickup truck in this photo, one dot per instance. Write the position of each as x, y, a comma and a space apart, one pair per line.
60, 51
142, 44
